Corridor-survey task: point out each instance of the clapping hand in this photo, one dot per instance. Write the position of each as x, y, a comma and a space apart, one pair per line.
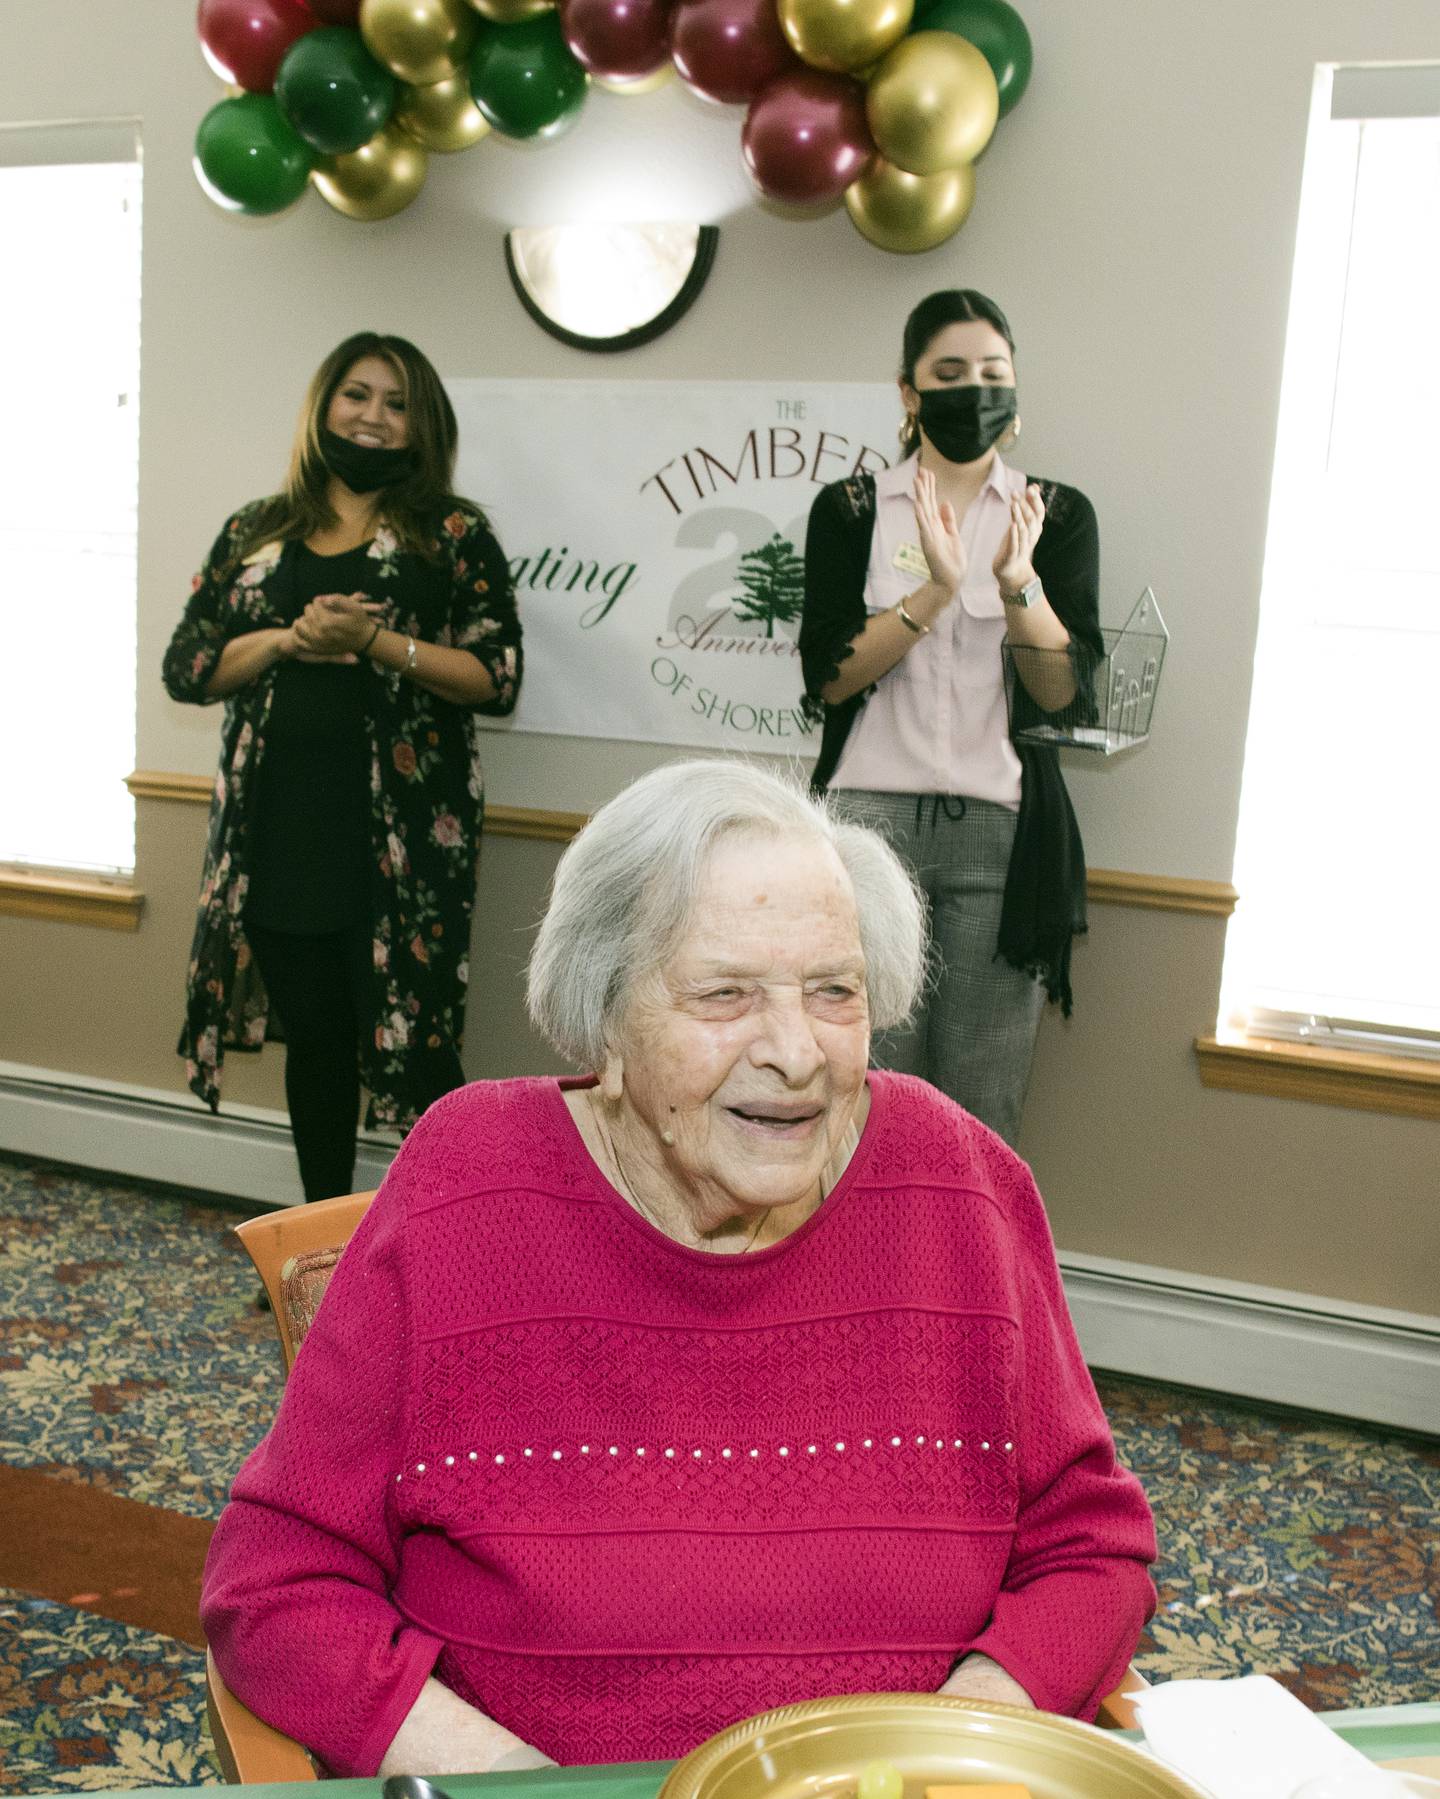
939, 534
1013, 566
335, 627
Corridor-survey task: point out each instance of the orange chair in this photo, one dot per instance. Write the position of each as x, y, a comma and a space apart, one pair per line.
295, 1251
1117, 1709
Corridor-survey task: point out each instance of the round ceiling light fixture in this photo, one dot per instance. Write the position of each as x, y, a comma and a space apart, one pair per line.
609, 287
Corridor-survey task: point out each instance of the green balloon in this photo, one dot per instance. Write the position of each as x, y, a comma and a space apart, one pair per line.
995, 29
248, 157
333, 91
523, 77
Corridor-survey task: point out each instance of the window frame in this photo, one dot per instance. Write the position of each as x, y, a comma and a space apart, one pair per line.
81, 891
1260, 1048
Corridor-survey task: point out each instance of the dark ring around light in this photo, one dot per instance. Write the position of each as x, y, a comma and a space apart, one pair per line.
670, 314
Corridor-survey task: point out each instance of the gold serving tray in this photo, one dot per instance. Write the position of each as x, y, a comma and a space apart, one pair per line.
816, 1751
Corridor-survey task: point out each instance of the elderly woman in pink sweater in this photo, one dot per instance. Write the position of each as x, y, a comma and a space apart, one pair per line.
728, 1375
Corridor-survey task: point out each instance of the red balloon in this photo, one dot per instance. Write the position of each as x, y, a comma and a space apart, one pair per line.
336, 12
729, 49
618, 40
245, 40
805, 138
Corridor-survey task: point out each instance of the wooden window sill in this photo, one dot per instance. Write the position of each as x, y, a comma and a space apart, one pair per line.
1405, 1086
70, 899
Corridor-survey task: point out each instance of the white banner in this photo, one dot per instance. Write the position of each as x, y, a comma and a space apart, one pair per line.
656, 536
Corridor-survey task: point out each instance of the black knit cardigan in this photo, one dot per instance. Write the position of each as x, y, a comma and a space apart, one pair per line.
1044, 903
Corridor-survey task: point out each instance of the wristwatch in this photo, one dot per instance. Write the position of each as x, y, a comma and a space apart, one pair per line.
1027, 595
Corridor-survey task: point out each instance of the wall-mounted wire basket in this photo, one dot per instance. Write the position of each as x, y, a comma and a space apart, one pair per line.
1075, 700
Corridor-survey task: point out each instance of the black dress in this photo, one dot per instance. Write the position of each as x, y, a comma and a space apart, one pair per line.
419, 773
310, 818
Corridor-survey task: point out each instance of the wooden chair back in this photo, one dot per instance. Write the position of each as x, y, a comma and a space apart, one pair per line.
249, 1751
295, 1252
1117, 1709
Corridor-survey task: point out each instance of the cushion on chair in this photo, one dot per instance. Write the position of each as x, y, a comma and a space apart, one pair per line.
303, 1281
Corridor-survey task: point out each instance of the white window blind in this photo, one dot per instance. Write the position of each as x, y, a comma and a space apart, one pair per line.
1338, 855
69, 459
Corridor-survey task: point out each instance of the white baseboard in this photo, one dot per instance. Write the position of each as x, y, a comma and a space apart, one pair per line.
244, 1152
1256, 1342
1259, 1342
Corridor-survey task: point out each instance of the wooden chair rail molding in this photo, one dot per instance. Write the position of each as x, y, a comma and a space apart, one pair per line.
1107, 886
1403, 1086
1160, 893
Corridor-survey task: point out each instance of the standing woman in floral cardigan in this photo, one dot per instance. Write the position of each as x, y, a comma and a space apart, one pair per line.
354, 624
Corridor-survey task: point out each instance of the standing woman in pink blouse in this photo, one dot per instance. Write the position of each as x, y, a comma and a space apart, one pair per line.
914, 579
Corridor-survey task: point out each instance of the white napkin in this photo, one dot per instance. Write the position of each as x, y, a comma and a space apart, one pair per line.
1243, 1739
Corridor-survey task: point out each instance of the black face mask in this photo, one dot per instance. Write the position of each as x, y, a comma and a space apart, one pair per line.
963, 422
364, 468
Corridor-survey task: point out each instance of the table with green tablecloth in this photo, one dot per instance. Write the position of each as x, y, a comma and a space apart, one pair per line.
1385, 1733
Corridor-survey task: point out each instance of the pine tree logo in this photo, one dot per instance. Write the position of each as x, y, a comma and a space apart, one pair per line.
773, 580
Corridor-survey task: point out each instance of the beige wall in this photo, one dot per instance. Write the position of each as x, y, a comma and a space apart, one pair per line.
1135, 215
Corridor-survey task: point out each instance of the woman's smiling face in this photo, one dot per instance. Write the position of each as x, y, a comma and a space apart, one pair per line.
749, 1046
368, 406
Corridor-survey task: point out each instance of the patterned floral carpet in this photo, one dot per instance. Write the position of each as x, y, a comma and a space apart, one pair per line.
1289, 1545
88, 1705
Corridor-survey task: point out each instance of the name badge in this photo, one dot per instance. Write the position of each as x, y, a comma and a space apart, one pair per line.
910, 560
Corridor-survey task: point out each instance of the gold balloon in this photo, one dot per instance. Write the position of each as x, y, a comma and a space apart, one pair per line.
641, 84
441, 116
508, 12
843, 34
900, 211
421, 41
932, 104
376, 181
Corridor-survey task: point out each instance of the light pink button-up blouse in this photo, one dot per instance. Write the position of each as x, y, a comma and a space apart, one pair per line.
936, 723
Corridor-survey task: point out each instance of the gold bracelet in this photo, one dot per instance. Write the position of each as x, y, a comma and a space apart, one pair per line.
911, 624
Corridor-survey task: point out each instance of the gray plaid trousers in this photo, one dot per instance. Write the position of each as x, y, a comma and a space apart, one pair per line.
972, 1034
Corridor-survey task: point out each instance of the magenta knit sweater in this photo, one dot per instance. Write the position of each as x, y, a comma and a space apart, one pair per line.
618, 1493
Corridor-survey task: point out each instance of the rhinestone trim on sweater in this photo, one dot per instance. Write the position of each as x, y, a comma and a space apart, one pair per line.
726, 1454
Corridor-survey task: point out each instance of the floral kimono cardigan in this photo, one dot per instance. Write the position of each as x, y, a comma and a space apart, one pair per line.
426, 787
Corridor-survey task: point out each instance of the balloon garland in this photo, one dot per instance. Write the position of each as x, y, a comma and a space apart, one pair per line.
885, 104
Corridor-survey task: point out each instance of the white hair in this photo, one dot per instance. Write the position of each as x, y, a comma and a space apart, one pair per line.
625, 889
